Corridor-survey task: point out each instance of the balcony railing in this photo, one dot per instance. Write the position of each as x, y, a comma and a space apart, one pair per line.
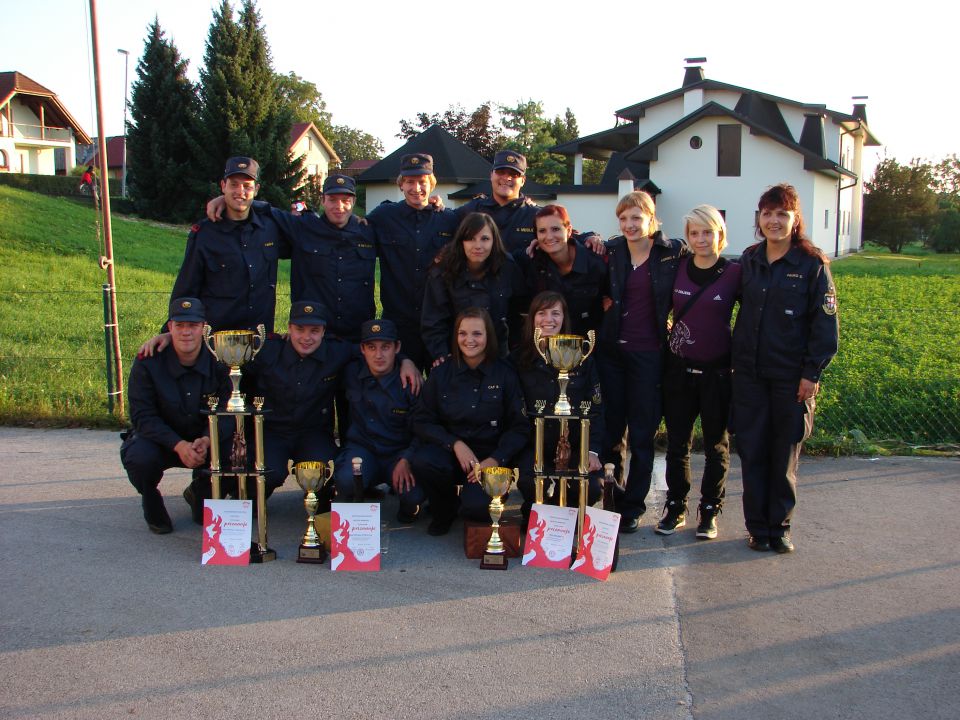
40, 132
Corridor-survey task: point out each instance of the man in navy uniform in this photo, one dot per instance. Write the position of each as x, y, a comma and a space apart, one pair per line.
379, 433
231, 265
167, 395
408, 236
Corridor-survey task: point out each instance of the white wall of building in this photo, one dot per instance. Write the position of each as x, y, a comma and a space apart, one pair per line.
591, 212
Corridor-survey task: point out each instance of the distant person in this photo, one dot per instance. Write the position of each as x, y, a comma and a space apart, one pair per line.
696, 376
167, 394
785, 335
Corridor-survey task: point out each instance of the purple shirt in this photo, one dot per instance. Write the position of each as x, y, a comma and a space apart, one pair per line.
702, 335
638, 324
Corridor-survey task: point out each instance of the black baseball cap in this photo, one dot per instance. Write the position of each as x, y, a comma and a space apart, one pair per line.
242, 166
308, 312
510, 159
339, 185
186, 309
378, 329
416, 164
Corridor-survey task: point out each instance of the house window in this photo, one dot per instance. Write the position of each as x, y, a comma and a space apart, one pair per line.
696, 142
4, 160
826, 219
728, 150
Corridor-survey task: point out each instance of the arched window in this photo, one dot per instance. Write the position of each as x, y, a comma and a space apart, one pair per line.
4, 160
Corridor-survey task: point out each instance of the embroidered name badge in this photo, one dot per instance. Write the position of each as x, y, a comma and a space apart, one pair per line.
525, 229
788, 311
494, 423
329, 378
830, 301
398, 411
493, 387
268, 244
798, 276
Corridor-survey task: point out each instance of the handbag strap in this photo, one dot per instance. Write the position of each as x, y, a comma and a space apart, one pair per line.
718, 271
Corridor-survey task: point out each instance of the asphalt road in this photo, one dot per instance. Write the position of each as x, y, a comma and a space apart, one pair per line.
101, 619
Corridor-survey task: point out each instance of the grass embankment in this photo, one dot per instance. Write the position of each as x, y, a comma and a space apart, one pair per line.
895, 383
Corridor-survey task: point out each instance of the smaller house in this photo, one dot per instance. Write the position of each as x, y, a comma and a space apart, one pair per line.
310, 144
38, 135
455, 166
116, 149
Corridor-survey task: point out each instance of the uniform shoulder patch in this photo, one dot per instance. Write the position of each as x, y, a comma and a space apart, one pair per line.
195, 227
830, 301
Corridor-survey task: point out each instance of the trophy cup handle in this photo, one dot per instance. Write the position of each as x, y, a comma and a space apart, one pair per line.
327, 469
538, 341
262, 337
207, 335
516, 477
590, 343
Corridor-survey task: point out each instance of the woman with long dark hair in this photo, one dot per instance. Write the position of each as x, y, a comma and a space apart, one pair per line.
470, 411
473, 270
785, 336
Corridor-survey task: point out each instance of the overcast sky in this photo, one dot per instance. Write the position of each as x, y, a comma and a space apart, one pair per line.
375, 62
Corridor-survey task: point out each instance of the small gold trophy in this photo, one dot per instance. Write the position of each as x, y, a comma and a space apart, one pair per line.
563, 352
496, 482
235, 348
312, 476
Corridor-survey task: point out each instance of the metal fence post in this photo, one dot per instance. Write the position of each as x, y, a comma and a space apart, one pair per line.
108, 345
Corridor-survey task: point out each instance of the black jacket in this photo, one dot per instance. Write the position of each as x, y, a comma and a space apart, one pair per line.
787, 324
664, 260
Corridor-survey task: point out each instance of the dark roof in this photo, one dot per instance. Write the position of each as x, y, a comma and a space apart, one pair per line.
115, 148
647, 151
16, 83
453, 161
362, 164
599, 146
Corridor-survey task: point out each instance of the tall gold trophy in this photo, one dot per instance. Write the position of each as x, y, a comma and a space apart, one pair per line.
496, 483
312, 476
236, 348
563, 352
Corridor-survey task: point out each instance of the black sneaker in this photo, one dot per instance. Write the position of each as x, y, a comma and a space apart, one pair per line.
707, 527
674, 518
196, 505
155, 513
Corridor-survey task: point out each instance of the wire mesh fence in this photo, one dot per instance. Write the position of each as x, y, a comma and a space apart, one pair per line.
880, 391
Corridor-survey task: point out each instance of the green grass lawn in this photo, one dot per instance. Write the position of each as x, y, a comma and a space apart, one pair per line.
895, 383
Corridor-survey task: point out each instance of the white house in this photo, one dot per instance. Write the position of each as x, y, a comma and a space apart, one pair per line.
37, 134
711, 142
310, 144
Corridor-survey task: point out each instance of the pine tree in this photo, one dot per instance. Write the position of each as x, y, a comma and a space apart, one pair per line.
241, 109
163, 109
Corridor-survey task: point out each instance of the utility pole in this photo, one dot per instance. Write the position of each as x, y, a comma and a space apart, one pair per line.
106, 262
126, 71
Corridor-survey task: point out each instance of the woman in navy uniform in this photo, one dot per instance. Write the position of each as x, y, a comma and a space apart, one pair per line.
564, 265
548, 311
471, 410
785, 336
696, 376
472, 271
643, 265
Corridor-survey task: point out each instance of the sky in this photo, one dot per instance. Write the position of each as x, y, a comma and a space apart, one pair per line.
378, 62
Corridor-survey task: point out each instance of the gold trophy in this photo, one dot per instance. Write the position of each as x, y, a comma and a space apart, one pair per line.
563, 352
235, 348
312, 476
496, 483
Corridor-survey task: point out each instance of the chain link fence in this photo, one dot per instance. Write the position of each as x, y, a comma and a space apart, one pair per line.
880, 393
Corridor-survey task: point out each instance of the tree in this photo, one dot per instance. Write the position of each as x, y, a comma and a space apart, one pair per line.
304, 100
476, 130
163, 118
534, 135
900, 205
352, 144
242, 112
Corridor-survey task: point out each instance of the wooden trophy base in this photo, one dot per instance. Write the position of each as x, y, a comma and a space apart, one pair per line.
312, 555
494, 561
261, 556
476, 535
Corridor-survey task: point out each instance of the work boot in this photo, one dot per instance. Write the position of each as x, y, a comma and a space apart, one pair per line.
155, 513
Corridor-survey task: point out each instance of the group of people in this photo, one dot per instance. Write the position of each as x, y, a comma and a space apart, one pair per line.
463, 292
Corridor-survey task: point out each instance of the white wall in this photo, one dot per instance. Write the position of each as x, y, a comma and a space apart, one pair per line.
592, 212
378, 192
659, 117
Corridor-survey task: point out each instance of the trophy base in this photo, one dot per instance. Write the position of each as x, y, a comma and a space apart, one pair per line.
261, 555
476, 535
494, 561
312, 555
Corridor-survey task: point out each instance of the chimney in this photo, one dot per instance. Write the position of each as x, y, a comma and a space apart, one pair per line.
860, 109
692, 96
694, 70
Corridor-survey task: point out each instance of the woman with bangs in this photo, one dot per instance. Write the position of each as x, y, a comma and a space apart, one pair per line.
642, 267
548, 312
473, 270
785, 336
696, 376
566, 266
470, 411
